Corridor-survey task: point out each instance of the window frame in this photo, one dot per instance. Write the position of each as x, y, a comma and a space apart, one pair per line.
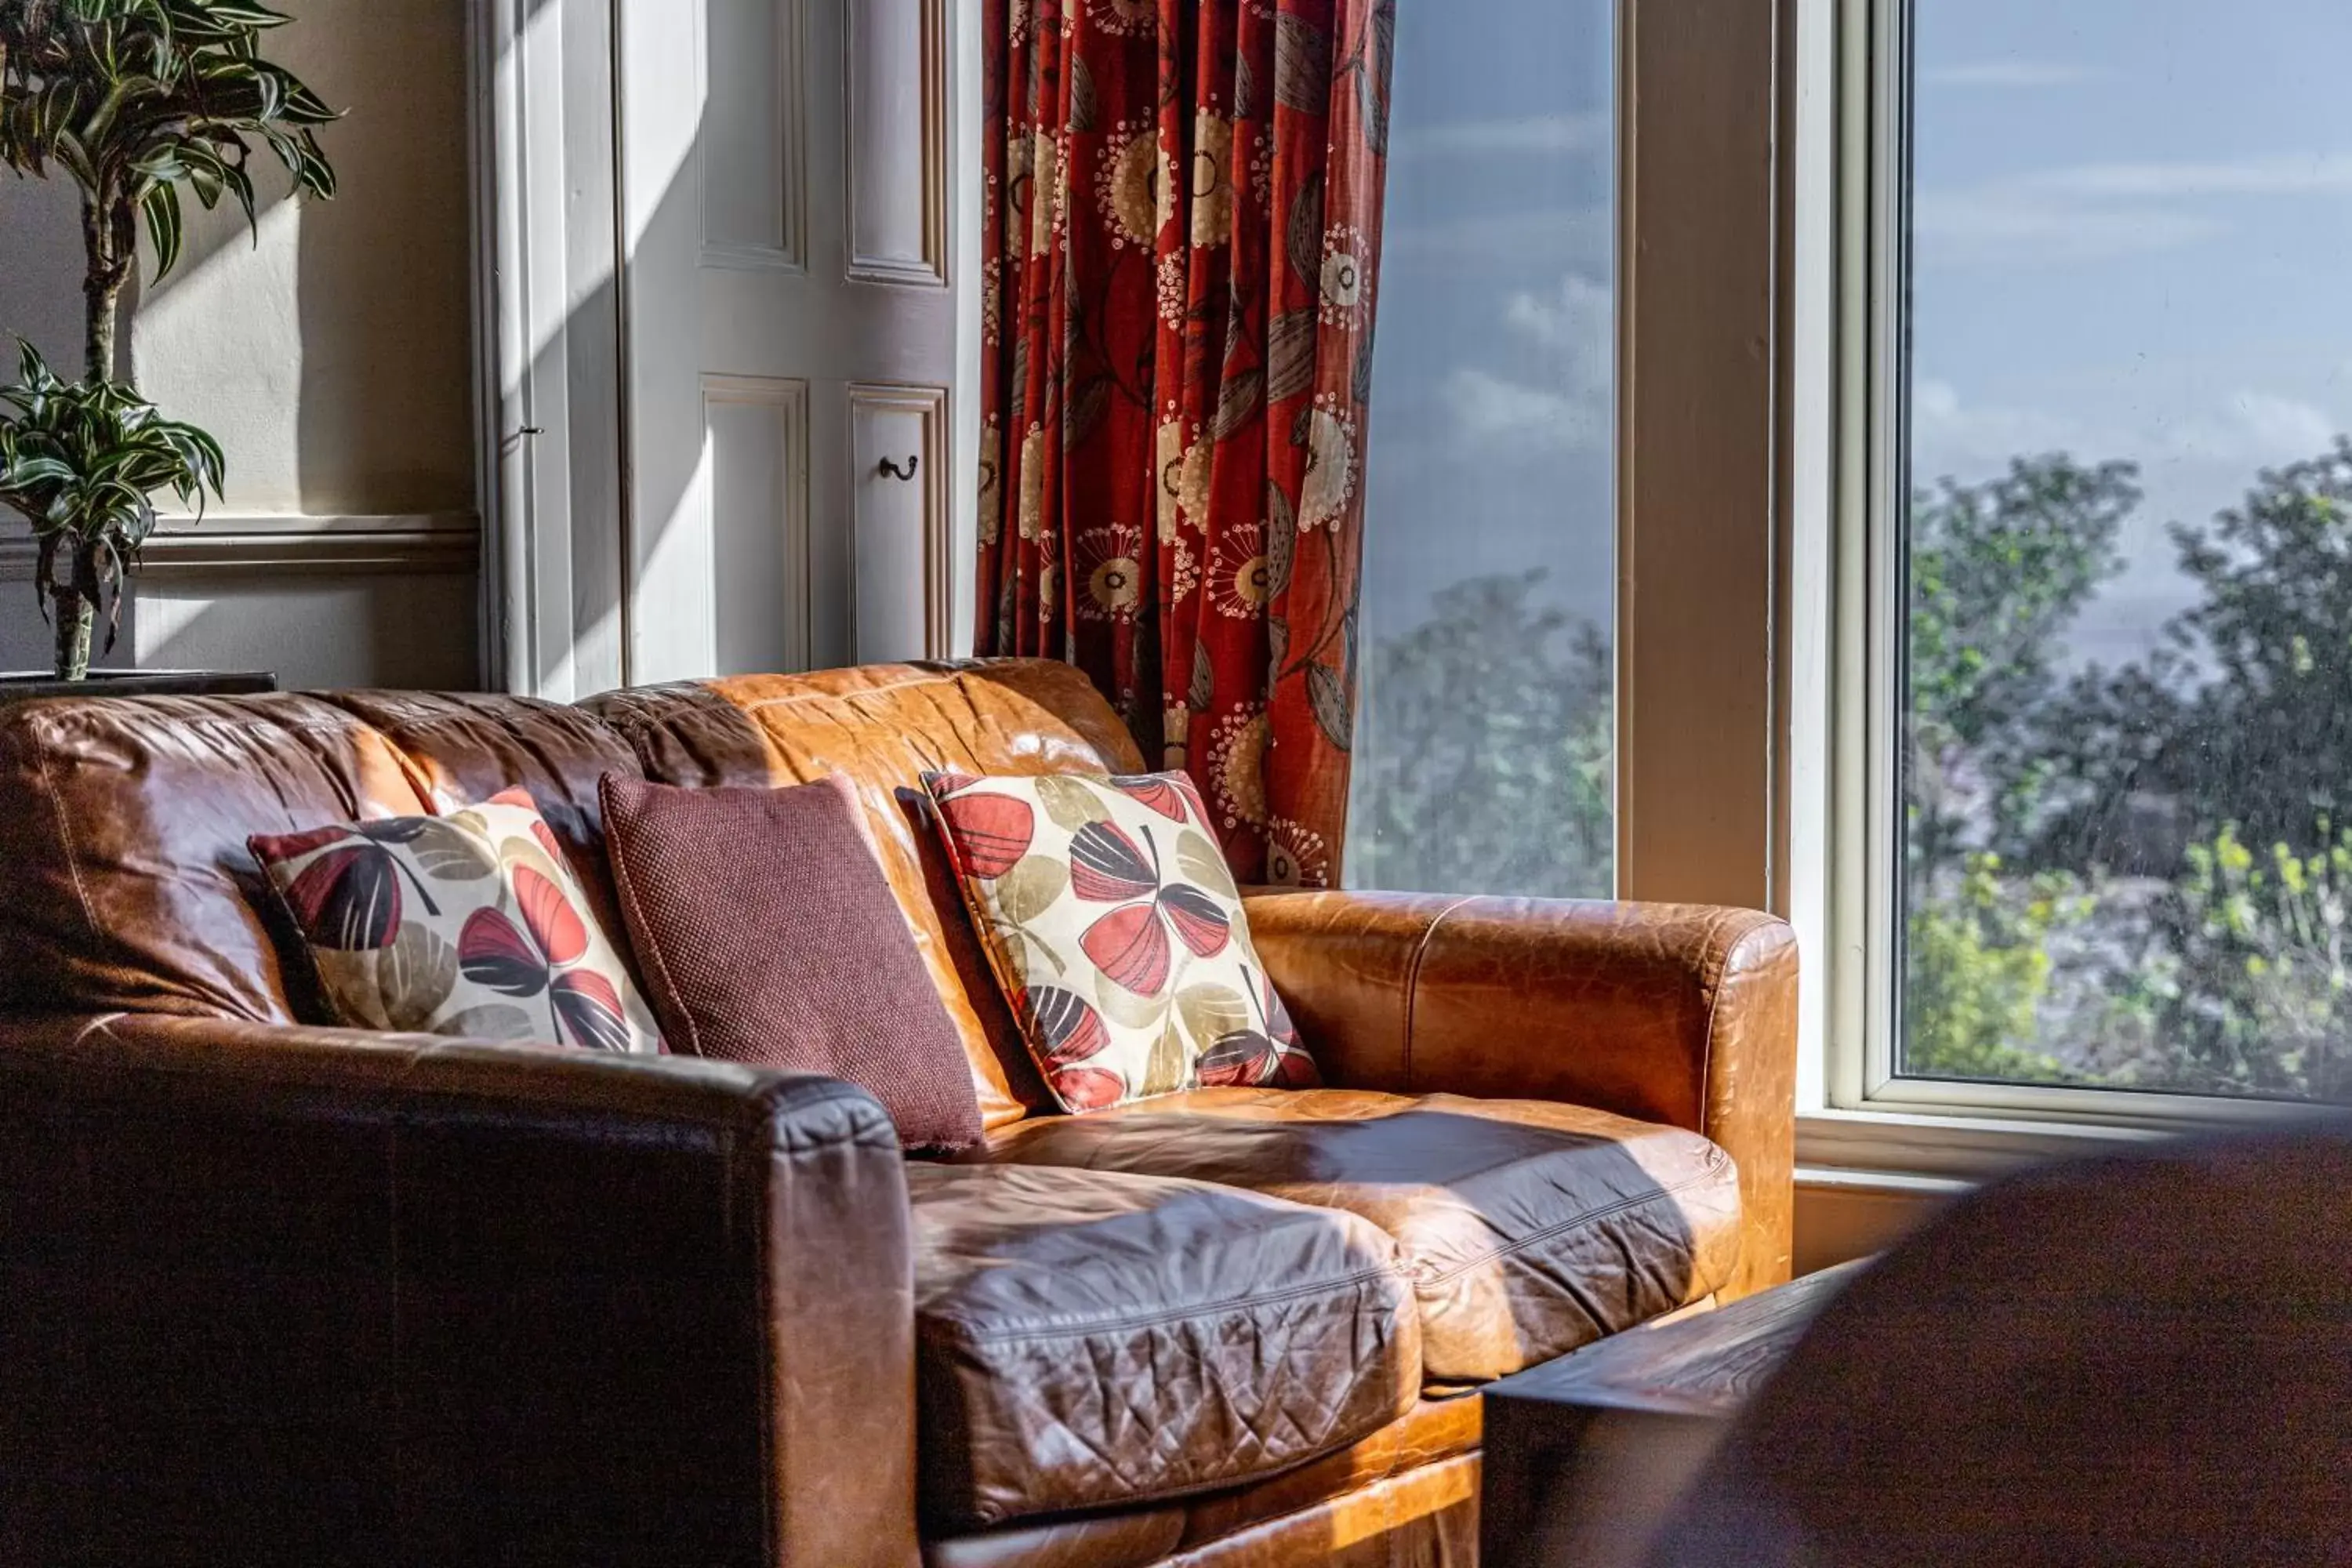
1847, 605
1700, 362
1701, 563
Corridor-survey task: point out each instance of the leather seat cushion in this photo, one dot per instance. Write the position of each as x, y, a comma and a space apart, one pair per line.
1092, 1338
1529, 1228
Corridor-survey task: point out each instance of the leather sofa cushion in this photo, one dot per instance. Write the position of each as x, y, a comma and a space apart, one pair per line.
1092, 1337
882, 727
1529, 1228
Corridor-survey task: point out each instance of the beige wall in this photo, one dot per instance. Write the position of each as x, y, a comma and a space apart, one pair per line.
1844, 1215
332, 359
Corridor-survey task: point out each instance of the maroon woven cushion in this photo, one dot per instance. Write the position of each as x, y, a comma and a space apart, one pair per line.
767, 934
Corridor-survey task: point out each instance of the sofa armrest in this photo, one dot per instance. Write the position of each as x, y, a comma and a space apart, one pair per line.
276, 1291
1670, 1013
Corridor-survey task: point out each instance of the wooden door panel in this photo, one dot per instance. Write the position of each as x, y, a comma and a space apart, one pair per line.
789, 324
898, 520
758, 439
753, 179
896, 151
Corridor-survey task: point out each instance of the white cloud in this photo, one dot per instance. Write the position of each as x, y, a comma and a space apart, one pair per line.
1578, 319
2255, 428
2278, 176
2008, 74
1529, 135
2011, 225
2238, 432
1952, 435
1579, 237
1486, 407
2098, 212
1563, 401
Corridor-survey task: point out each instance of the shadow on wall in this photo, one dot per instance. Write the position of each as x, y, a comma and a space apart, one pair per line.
332, 355
332, 358
587, 353
386, 404
314, 629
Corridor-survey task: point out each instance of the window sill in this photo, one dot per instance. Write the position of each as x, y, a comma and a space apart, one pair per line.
1899, 1148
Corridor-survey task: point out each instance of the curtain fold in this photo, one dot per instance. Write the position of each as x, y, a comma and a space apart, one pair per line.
1183, 212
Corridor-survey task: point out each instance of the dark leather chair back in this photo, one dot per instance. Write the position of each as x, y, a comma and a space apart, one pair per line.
2143, 1359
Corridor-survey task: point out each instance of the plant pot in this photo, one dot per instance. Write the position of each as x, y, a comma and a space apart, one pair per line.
25, 685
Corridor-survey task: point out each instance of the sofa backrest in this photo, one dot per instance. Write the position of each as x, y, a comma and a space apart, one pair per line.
123, 823
123, 820
123, 829
881, 726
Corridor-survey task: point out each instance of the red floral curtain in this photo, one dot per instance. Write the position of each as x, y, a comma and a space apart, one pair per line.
1183, 225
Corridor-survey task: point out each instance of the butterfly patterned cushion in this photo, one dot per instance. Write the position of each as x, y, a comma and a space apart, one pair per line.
1114, 926
469, 924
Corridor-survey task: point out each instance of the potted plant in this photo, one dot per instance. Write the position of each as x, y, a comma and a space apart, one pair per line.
81, 460
135, 101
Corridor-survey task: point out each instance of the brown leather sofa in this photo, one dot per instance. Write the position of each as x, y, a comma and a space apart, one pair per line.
274, 1292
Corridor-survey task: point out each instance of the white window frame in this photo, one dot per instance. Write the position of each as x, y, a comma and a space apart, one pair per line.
1846, 237
1699, 358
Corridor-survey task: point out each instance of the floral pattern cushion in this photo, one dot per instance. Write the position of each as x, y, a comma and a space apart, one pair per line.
1115, 928
467, 924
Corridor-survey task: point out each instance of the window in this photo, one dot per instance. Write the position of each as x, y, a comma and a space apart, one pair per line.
2111, 524
1486, 734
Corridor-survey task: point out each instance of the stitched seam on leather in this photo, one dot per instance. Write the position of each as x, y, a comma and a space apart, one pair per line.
1413, 980
452, 1103
1237, 1470
774, 1357
1386, 1484
65, 834
972, 1334
1234, 1469
636, 922
1605, 1211
271, 725
794, 699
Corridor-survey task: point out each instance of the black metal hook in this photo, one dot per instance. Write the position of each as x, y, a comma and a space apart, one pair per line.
896, 472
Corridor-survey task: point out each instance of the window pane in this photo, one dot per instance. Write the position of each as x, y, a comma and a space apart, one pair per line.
2127, 739
1483, 759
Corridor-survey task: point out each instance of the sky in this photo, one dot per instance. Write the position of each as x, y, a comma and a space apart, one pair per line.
2133, 240
1490, 428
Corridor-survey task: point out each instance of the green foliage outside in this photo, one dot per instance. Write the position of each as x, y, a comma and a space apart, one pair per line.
2180, 809
1483, 760
2259, 990
2129, 877
1980, 970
